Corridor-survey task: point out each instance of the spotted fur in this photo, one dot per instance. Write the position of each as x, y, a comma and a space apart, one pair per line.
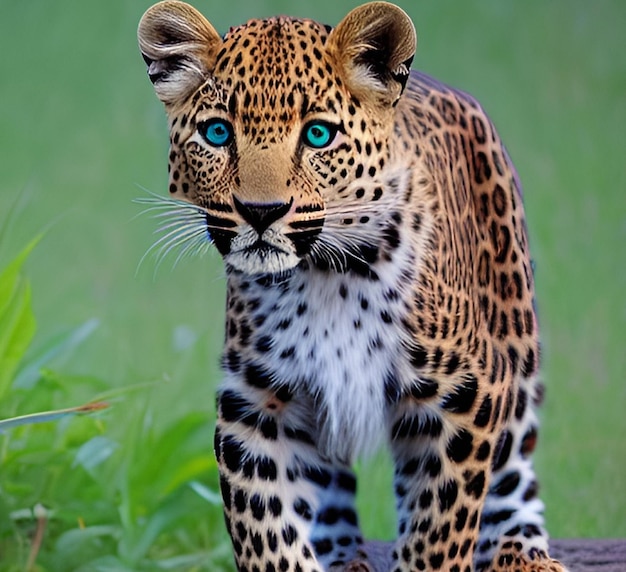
379, 289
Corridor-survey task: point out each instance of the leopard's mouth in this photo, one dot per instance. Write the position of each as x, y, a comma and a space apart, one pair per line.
263, 249
272, 253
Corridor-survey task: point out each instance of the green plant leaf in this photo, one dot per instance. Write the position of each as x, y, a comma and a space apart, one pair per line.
45, 416
95, 451
206, 493
61, 346
187, 470
17, 322
9, 277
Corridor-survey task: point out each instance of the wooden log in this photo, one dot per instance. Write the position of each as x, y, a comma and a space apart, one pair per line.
590, 554
579, 555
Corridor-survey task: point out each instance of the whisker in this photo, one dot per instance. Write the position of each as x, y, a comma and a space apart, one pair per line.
179, 241
182, 226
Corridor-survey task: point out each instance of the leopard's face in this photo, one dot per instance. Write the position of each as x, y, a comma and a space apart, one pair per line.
279, 133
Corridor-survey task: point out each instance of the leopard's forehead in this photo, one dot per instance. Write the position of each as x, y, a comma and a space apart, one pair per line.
273, 46
276, 69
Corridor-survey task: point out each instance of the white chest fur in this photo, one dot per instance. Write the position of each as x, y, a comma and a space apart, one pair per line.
337, 338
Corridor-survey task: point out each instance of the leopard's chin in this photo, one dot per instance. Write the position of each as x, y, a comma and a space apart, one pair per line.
262, 260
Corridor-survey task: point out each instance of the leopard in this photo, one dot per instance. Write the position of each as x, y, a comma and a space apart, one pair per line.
379, 290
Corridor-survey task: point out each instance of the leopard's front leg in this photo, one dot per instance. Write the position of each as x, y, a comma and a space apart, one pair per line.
443, 436
286, 508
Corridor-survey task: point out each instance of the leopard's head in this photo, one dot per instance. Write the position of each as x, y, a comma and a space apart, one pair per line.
279, 131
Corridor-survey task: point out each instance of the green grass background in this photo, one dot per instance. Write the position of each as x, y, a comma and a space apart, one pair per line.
81, 132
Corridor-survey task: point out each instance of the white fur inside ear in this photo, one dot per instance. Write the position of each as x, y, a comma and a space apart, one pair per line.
179, 46
364, 76
171, 86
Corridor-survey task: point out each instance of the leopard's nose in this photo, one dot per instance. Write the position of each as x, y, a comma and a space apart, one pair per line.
261, 215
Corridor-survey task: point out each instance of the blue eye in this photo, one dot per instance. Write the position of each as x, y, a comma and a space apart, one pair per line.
319, 134
216, 132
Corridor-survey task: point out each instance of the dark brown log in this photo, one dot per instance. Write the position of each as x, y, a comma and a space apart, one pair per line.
589, 554
579, 555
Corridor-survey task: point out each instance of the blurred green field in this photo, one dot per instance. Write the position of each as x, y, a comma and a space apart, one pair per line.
81, 134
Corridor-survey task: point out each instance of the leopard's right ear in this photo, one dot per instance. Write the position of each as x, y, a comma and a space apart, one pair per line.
179, 47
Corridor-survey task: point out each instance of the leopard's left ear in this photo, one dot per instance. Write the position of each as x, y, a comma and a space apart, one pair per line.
179, 47
374, 46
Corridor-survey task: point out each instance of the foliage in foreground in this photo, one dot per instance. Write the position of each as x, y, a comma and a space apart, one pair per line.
93, 492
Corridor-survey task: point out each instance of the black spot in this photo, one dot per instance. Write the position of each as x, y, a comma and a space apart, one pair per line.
432, 466
232, 406
242, 532
264, 344
499, 201
347, 482
483, 415
241, 501
431, 426
465, 548
225, 489
453, 363
385, 317
424, 388
268, 428
461, 519
289, 352
520, 406
531, 491
483, 451
426, 499
318, 475
257, 544
302, 508
463, 397
418, 356
424, 525
436, 560
232, 361
275, 506
460, 446
232, 453
257, 506
530, 363
289, 534
248, 468
503, 450
329, 516
476, 485
266, 469
506, 485
453, 550
257, 377
272, 545
447, 494
299, 435
323, 546
410, 467
496, 517
393, 392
